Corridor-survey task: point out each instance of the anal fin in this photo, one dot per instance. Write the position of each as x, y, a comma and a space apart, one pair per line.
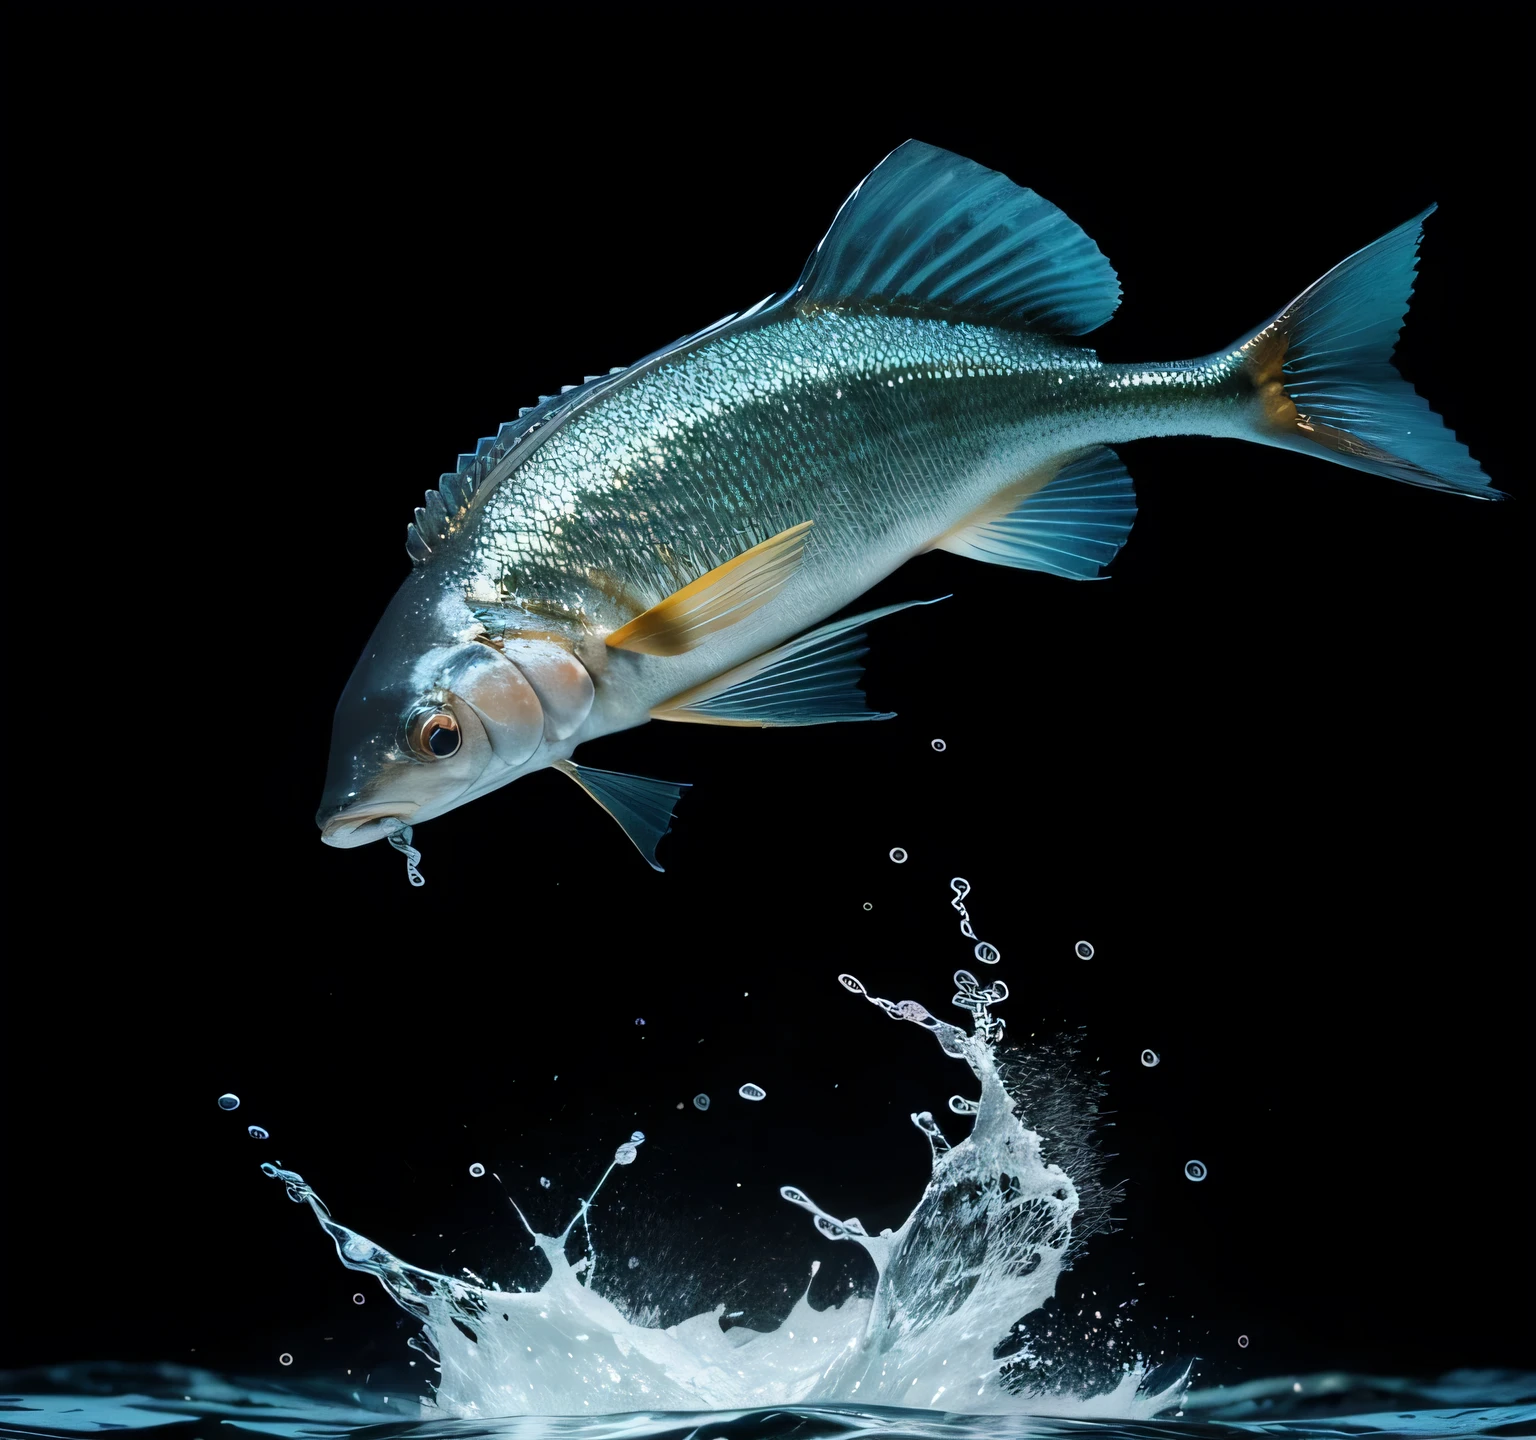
1073, 525
811, 680
726, 594
642, 806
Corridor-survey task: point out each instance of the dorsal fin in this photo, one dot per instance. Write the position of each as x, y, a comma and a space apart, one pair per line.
932, 229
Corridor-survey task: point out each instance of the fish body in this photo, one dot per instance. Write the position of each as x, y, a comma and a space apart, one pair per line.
651, 544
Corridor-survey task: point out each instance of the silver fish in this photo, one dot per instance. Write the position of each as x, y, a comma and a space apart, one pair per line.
669, 540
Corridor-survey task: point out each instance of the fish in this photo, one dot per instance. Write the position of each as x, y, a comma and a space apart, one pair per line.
674, 540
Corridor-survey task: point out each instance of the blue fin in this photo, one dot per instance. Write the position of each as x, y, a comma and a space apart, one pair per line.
1074, 525
642, 806
1330, 350
811, 680
932, 229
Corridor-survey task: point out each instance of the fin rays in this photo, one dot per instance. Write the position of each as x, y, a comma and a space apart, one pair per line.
643, 807
1072, 526
812, 680
728, 593
927, 227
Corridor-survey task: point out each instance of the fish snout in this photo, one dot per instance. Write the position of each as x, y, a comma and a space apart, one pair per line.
363, 824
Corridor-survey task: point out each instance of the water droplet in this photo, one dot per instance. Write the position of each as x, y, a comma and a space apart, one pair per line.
938, 745
1195, 1170
701, 1102
256, 1132
625, 1155
899, 855
544, 1181
633, 1263
752, 1092
1149, 1058
1083, 950
229, 1102
1242, 1341
477, 1169
285, 1358
359, 1299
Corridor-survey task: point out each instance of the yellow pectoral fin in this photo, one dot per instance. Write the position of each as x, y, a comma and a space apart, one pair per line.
728, 593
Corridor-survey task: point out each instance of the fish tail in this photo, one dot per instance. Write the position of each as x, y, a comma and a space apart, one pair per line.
1325, 383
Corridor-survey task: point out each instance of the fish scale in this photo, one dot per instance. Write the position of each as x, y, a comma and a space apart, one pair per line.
675, 540
884, 431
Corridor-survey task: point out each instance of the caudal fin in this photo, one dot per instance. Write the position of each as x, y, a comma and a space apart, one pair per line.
1327, 385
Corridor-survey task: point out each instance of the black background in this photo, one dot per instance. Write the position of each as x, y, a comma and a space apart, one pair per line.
272, 269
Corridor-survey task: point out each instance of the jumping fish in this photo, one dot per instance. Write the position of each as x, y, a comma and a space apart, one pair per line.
669, 540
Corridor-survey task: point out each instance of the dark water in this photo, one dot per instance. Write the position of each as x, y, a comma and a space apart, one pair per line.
181, 1404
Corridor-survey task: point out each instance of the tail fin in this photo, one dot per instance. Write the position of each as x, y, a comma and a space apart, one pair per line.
1326, 382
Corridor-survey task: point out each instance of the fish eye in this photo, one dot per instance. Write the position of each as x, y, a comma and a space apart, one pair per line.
434, 734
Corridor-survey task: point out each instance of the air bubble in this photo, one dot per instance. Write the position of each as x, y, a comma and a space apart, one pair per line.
701, 1102
639, 1020
899, 855
232, 1102
477, 1169
544, 1181
637, 1137
359, 1299
1083, 950
1149, 1058
938, 745
633, 1263
285, 1358
256, 1132
625, 1155
752, 1092
1195, 1170
1242, 1342
868, 906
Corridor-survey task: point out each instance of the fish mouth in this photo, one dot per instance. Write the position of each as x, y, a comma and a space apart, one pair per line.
363, 824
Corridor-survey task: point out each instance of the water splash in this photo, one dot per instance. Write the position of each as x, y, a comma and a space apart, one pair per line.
987, 954
995, 1227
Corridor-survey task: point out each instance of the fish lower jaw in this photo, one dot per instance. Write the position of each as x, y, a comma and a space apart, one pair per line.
349, 830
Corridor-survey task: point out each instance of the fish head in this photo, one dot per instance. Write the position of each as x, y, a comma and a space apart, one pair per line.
436, 714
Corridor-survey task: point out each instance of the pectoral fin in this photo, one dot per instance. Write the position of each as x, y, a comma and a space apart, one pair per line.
1073, 525
642, 806
728, 593
812, 680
